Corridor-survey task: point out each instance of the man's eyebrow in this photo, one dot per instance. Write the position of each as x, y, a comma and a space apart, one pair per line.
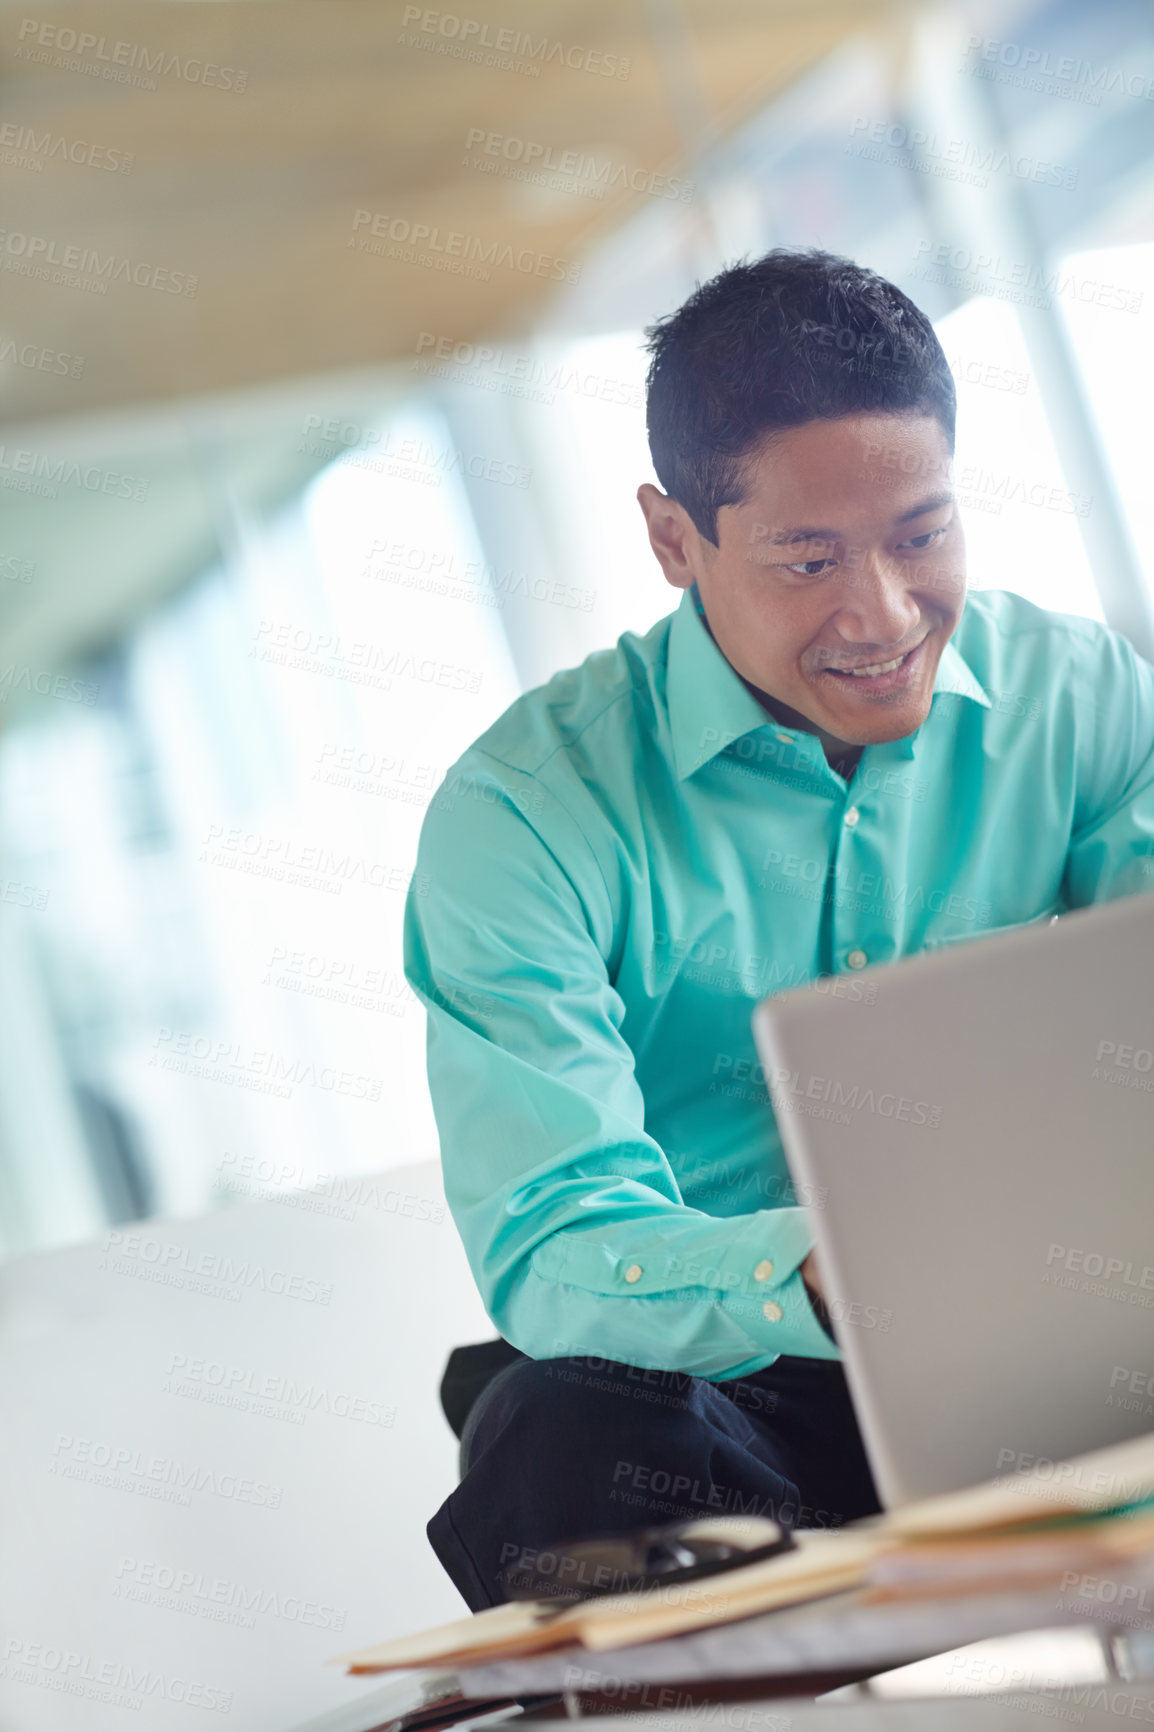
786, 537
933, 503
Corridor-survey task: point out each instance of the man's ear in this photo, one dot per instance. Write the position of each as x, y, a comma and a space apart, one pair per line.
673, 536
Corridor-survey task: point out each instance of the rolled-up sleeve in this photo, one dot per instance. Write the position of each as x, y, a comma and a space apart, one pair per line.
1111, 850
571, 1215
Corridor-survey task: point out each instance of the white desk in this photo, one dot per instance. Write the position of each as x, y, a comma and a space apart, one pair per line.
838, 1631
1093, 1707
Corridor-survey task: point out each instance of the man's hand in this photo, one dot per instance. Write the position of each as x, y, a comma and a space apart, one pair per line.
811, 1275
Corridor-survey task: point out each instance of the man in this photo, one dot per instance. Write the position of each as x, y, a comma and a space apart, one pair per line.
824, 760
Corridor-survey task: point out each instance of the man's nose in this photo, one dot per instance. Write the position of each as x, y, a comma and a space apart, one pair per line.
879, 606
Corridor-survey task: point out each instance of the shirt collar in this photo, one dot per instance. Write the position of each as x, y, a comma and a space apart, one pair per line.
709, 706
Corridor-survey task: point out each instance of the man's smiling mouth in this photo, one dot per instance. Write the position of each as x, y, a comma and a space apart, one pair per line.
876, 670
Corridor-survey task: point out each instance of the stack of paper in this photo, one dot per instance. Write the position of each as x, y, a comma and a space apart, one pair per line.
1037, 1528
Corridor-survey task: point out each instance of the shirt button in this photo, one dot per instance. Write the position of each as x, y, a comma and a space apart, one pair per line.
633, 1273
852, 816
764, 1270
784, 738
772, 1311
857, 958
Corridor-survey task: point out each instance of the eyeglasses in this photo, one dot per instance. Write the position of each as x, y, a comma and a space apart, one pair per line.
644, 1558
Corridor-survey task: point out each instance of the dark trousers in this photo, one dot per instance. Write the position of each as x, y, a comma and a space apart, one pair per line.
565, 1449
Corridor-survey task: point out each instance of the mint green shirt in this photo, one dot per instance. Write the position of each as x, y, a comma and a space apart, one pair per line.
634, 855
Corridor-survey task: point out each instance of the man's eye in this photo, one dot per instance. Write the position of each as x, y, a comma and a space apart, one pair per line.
811, 567
923, 541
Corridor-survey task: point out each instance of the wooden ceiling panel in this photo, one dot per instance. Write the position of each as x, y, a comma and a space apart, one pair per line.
254, 192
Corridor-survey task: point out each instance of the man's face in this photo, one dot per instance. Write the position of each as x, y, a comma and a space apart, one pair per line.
846, 552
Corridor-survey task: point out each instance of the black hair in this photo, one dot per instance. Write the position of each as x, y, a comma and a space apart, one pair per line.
796, 336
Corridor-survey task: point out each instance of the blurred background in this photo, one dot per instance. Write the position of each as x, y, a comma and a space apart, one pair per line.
322, 399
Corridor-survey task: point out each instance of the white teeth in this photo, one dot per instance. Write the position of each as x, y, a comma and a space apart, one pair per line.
881, 668
878, 668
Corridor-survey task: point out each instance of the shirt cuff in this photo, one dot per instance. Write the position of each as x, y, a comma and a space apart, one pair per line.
744, 1265
758, 1284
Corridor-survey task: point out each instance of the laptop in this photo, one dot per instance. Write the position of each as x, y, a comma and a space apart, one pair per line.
975, 1145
